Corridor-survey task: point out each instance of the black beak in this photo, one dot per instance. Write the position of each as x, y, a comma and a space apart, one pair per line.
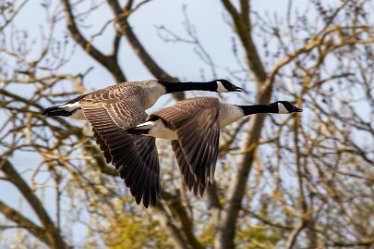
298, 109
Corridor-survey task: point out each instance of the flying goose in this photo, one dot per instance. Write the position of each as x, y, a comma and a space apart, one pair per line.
193, 126
116, 108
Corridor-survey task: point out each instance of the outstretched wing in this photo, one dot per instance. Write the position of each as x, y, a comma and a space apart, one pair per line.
185, 169
196, 124
135, 157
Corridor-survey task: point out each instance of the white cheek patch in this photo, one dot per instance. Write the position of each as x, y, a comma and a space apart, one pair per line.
220, 87
282, 109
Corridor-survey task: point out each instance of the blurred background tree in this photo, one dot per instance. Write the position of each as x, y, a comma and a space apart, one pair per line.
299, 181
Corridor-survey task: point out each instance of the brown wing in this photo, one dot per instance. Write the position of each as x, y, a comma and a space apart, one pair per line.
104, 148
196, 124
184, 167
135, 157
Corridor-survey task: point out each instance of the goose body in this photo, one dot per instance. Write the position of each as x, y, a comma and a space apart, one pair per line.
194, 126
158, 127
116, 108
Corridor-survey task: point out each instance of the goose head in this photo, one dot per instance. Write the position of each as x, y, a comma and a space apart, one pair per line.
284, 107
224, 86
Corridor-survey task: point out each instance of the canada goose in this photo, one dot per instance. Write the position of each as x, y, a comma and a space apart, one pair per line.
116, 108
193, 126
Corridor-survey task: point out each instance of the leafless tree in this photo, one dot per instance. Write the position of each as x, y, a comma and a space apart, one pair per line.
301, 181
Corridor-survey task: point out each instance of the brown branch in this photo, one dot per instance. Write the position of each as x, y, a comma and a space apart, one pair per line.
13, 16
23, 222
312, 44
166, 220
109, 62
364, 242
174, 203
295, 233
265, 221
245, 10
287, 59
226, 229
52, 232
125, 29
293, 236
307, 221
215, 206
242, 28
100, 161
226, 226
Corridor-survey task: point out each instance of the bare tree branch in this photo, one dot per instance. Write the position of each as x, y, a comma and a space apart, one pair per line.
125, 29
179, 211
243, 30
14, 13
109, 62
166, 220
25, 223
293, 236
52, 232
226, 228
309, 184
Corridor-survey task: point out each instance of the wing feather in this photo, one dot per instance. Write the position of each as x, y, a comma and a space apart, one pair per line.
135, 157
196, 124
188, 177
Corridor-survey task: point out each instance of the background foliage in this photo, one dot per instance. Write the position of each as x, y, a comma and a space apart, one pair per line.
298, 181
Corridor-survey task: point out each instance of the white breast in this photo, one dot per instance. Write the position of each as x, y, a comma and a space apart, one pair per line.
76, 109
229, 113
78, 115
160, 131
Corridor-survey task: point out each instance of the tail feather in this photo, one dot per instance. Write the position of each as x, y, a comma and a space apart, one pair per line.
71, 108
55, 111
142, 128
48, 110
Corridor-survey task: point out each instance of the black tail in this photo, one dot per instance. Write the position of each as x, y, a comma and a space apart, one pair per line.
55, 111
137, 131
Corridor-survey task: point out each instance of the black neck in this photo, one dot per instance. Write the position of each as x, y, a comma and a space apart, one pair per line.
253, 109
189, 86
